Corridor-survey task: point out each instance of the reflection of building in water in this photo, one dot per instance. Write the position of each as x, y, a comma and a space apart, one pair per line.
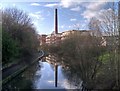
56, 74
70, 81
56, 60
52, 60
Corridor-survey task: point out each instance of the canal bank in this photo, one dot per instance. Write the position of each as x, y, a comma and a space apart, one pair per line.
12, 72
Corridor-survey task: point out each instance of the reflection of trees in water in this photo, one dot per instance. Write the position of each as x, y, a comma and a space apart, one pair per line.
18, 83
31, 71
25, 80
70, 71
82, 70
72, 76
52, 67
93, 74
53, 60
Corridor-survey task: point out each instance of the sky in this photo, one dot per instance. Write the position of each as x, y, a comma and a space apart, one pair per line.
72, 14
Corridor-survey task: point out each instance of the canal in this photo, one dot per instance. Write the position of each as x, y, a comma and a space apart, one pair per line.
45, 74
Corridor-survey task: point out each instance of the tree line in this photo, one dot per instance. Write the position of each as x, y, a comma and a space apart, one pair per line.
19, 37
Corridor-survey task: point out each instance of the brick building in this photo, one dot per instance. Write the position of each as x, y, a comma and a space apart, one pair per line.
42, 39
56, 38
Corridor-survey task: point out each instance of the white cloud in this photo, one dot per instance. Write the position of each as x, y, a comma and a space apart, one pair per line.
52, 0
35, 4
101, 16
14, 5
36, 19
67, 85
95, 5
75, 9
0, 5
52, 5
72, 19
92, 9
36, 15
69, 3
89, 14
66, 3
50, 81
70, 26
62, 26
38, 12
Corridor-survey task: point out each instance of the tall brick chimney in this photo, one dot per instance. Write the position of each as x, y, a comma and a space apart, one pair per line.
56, 22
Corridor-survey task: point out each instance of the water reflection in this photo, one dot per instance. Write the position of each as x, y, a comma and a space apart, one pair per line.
24, 80
47, 77
47, 74
54, 74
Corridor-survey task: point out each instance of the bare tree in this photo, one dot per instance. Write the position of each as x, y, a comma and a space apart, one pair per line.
108, 25
94, 26
77, 26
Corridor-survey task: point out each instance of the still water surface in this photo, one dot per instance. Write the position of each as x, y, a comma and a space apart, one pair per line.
47, 79
42, 76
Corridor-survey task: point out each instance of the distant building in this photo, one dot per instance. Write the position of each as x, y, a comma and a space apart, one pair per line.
69, 32
42, 39
53, 39
56, 39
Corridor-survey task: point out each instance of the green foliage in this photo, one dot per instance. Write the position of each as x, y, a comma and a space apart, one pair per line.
104, 58
19, 35
10, 48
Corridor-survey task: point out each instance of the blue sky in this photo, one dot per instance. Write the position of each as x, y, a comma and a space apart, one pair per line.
72, 14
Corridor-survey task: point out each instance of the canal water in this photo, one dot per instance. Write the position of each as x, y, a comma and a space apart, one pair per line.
44, 75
